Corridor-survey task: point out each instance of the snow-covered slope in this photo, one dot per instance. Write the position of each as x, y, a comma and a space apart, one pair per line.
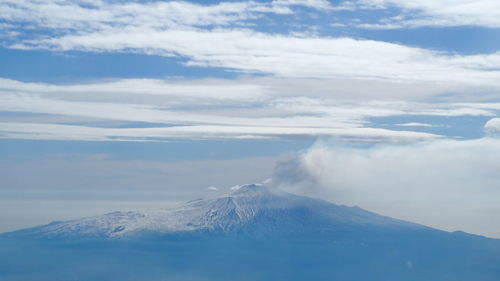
251, 208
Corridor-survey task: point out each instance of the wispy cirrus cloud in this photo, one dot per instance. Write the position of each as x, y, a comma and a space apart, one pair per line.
443, 13
82, 15
202, 132
99, 15
204, 90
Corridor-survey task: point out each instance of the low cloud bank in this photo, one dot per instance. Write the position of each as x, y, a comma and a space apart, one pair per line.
448, 184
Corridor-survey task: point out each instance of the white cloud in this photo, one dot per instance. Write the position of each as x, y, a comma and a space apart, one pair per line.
493, 126
235, 187
447, 184
414, 124
290, 56
151, 113
201, 132
212, 188
417, 13
204, 90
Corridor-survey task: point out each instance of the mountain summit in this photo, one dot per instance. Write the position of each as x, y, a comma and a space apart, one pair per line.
252, 209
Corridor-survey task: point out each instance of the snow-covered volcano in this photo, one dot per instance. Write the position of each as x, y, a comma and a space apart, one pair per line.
253, 233
252, 208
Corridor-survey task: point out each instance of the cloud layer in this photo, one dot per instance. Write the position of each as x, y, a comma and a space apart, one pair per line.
295, 82
220, 36
209, 109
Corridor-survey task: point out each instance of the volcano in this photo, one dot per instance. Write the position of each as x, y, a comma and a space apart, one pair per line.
252, 233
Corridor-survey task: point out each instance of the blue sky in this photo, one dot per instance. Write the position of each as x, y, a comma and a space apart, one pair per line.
213, 93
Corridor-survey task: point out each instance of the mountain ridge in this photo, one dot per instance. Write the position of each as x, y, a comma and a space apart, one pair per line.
250, 208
